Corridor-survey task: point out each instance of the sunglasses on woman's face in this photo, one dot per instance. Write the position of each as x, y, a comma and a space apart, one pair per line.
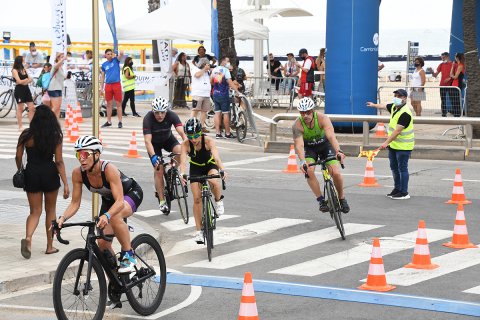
83, 155
194, 136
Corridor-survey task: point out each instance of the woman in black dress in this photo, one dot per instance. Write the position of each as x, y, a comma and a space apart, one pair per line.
22, 92
43, 144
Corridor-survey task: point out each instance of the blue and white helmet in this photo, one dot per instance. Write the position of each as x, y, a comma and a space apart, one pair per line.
88, 143
305, 104
160, 104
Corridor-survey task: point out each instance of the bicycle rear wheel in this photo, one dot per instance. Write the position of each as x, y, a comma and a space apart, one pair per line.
241, 126
180, 195
146, 297
6, 103
209, 122
207, 226
335, 207
73, 297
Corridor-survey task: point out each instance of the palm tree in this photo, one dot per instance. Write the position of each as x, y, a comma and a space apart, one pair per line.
472, 65
226, 39
152, 6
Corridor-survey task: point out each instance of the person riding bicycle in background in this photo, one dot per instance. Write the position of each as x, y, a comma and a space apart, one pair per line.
204, 160
315, 139
121, 197
157, 133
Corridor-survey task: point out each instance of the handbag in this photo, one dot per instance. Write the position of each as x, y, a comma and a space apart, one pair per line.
19, 176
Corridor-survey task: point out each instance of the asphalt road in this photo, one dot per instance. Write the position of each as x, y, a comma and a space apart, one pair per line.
272, 228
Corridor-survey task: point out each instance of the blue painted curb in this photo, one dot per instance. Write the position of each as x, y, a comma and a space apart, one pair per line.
352, 295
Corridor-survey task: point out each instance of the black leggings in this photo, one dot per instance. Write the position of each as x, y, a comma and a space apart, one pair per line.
129, 95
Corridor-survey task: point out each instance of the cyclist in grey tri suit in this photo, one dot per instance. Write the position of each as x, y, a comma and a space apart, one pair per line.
120, 194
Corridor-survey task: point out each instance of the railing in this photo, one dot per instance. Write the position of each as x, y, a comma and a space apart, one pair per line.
433, 100
366, 119
270, 91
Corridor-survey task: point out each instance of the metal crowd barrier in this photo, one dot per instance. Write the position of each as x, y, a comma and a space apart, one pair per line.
271, 91
366, 119
435, 99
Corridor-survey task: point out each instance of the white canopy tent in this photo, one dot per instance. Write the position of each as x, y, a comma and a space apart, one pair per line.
185, 19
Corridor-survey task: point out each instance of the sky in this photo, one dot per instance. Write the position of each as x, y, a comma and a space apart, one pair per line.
395, 15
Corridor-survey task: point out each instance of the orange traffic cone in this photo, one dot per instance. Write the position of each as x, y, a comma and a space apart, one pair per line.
101, 138
421, 253
458, 194
460, 233
66, 123
292, 162
369, 177
376, 279
132, 149
69, 124
74, 135
380, 133
248, 305
78, 113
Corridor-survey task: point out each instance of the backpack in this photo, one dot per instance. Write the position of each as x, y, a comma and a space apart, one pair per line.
39, 81
45, 80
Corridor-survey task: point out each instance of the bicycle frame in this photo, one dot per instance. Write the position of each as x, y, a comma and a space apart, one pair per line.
94, 250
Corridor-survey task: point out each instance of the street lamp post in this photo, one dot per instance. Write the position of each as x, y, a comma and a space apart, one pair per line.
95, 87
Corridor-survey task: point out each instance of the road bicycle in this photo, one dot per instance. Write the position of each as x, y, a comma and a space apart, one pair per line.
330, 193
209, 213
174, 189
79, 285
238, 119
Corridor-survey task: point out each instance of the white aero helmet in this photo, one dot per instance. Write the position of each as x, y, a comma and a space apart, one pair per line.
160, 104
305, 104
88, 143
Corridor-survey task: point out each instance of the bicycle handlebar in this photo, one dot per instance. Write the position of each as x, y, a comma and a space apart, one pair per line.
12, 79
57, 231
321, 162
207, 177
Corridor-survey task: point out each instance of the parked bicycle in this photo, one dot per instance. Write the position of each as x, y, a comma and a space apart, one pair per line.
209, 213
173, 186
7, 99
238, 119
79, 286
330, 193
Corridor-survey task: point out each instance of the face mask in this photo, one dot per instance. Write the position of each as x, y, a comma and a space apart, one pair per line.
131, 64
397, 101
34, 53
417, 65
227, 65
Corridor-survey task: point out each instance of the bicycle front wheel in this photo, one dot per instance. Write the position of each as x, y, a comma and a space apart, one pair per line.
208, 215
146, 297
6, 103
181, 196
73, 296
241, 126
335, 207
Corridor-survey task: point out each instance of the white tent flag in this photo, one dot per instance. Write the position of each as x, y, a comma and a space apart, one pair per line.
59, 28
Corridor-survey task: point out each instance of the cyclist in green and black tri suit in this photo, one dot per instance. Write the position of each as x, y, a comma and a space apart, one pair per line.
315, 139
204, 160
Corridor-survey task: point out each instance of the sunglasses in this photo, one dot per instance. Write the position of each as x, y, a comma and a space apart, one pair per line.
157, 113
194, 136
303, 113
83, 154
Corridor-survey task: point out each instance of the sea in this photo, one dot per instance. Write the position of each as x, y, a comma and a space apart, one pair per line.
393, 42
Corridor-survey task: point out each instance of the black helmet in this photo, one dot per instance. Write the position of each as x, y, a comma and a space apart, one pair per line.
192, 126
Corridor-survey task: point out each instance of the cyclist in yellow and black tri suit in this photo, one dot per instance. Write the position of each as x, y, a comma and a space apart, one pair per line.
204, 160
315, 139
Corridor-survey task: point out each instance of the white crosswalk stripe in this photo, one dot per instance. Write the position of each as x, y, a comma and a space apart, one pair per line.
450, 262
176, 225
225, 235
280, 247
359, 254
474, 290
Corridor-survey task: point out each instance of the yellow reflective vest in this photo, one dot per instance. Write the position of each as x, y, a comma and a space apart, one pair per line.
406, 139
128, 84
